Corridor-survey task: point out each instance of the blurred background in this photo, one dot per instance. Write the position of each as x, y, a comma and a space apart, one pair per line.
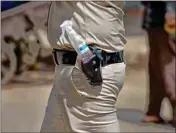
27, 69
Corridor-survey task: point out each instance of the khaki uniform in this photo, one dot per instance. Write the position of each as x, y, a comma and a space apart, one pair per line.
74, 105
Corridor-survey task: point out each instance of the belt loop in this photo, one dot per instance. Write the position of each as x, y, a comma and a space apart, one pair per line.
116, 58
121, 55
104, 62
54, 53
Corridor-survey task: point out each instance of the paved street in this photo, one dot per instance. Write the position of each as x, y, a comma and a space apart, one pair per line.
25, 98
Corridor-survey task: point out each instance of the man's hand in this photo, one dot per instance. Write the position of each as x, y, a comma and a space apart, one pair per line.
170, 18
170, 24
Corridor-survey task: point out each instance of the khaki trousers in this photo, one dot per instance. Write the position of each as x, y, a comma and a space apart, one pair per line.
76, 106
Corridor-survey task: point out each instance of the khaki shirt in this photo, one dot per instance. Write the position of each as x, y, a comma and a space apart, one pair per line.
100, 23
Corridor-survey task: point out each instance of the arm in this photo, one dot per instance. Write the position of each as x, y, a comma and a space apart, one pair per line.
59, 11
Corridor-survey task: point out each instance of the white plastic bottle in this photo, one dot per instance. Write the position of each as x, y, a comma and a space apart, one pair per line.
77, 42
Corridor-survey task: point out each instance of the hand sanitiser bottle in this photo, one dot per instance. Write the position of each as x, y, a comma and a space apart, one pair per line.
76, 41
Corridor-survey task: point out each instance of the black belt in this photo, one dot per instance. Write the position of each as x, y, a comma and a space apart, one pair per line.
69, 57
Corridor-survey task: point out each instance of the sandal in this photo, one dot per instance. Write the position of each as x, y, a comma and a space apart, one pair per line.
153, 119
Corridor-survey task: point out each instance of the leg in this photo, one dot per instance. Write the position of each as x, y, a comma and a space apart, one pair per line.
156, 88
53, 119
54, 115
81, 107
168, 61
93, 110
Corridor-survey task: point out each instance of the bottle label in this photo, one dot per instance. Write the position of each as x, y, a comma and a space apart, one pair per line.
83, 47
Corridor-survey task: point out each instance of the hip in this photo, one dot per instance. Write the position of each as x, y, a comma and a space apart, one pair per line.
73, 82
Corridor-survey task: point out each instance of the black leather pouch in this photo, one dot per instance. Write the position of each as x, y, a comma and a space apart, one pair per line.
92, 69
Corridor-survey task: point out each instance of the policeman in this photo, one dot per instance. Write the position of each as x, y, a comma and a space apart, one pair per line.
76, 105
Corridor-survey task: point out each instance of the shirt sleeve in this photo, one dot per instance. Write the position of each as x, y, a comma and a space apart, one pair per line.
59, 11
